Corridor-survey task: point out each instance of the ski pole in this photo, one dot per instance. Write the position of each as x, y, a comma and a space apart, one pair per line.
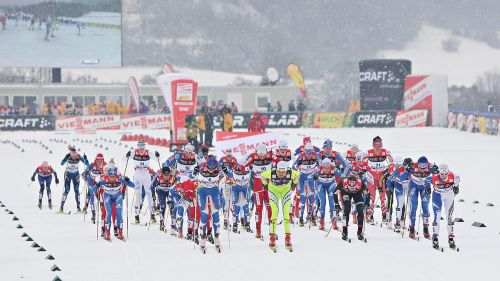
126, 194
98, 215
228, 211
195, 222
406, 205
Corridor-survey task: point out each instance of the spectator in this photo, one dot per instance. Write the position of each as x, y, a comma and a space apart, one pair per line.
213, 107
491, 108
256, 124
234, 108
209, 133
301, 107
291, 106
278, 107
202, 127
228, 121
192, 130
270, 107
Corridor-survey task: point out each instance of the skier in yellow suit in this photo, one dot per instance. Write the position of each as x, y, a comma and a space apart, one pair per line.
279, 182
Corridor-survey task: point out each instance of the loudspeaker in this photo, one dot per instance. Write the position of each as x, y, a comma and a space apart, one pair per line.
56, 75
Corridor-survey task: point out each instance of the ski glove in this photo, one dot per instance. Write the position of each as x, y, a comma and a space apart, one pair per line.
315, 177
84, 157
456, 190
33, 178
127, 179
128, 154
224, 169
428, 190
57, 181
157, 154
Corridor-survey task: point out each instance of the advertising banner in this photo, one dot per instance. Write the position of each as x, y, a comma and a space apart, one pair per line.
27, 123
272, 120
243, 143
374, 119
156, 121
381, 83
329, 120
411, 118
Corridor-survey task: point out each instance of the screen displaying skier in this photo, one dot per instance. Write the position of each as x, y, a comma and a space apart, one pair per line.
61, 33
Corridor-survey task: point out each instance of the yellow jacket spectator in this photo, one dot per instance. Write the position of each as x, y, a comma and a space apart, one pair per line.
228, 122
201, 122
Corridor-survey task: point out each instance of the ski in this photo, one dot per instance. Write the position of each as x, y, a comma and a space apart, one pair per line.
289, 248
203, 249
273, 248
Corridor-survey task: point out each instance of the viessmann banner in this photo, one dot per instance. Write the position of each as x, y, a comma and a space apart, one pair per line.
27, 123
112, 122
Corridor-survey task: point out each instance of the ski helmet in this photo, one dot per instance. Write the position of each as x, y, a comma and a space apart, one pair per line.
211, 162
282, 166
261, 149
309, 147
328, 143
45, 164
443, 170
189, 148
112, 171
141, 144
326, 162
283, 145
398, 160
306, 140
165, 169
99, 156
423, 162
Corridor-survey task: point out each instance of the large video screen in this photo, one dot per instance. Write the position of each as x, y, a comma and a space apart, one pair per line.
60, 33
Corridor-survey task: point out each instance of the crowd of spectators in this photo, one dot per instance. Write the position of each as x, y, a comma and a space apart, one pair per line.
64, 109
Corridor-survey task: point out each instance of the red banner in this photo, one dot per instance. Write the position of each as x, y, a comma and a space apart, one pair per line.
183, 103
133, 87
145, 122
112, 122
411, 118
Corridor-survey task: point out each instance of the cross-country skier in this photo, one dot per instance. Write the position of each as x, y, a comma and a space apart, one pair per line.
72, 174
280, 181
93, 172
326, 185
241, 178
379, 162
445, 186
163, 181
44, 172
352, 188
187, 191
111, 183
227, 161
305, 163
208, 177
142, 178
393, 184
340, 164
350, 155
261, 161
282, 153
419, 180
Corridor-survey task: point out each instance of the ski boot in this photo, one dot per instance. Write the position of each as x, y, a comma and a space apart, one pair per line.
235, 227
435, 242
93, 217
203, 243
189, 235
196, 238
50, 204
162, 226
85, 209
180, 235
225, 224
120, 234
173, 230
137, 221
334, 223
321, 224
361, 237
78, 209
451, 242
210, 238
248, 228
153, 218
344, 233
103, 231
412, 232
107, 236
313, 220
426, 232
217, 244
288, 242
369, 218
115, 231
272, 242
384, 218
258, 234
40, 204
301, 222
338, 210
397, 226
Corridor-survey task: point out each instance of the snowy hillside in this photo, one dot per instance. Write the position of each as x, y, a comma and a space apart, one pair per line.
153, 255
472, 58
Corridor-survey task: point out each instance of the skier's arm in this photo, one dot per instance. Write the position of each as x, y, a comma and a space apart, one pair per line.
65, 159
297, 163
126, 181
34, 174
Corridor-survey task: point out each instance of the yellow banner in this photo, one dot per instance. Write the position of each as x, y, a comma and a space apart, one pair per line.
329, 120
295, 74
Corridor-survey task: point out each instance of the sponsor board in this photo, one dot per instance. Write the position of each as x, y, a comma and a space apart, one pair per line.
411, 118
329, 120
27, 123
374, 119
241, 144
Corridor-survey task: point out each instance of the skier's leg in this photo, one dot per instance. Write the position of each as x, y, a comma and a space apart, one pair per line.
331, 201
449, 206
203, 210
215, 211
287, 201
425, 208
118, 202
436, 208
413, 205
322, 199
273, 200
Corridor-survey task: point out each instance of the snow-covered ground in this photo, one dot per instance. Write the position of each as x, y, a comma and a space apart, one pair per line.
22, 47
153, 255
471, 60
